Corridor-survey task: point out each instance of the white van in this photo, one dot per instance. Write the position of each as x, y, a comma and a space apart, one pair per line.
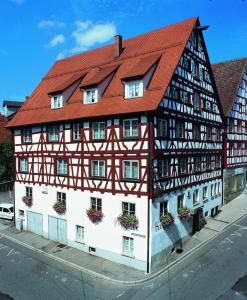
7, 211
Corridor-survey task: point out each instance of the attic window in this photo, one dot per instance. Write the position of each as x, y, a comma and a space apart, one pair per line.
134, 89
57, 102
90, 96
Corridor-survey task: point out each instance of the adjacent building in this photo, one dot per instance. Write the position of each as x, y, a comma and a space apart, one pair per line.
231, 81
117, 146
11, 108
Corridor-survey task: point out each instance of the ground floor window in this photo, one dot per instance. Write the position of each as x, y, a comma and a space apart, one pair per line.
128, 246
128, 208
195, 197
29, 191
79, 234
180, 202
205, 193
163, 208
96, 203
61, 197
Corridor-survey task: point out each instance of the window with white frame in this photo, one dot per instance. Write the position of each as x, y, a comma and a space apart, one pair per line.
212, 190
23, 165
62, 167
185, 96
180, 201
163, 208
217, 134
163, 168
96, 203
182, 166
209, 133
134, 89
205, 193
175, 93
196, 132
162, 128
180, 129
187, 64
195, 196
90, 96
76, 132
98, 168
98, 129
128, 246
53, 133
29, 191
61, 197
215, 189
217, 161
196, 101
128, 208
79, 234
57, 102
208, 162
130, 169
218, 189
130, 128
197, 163
27, 135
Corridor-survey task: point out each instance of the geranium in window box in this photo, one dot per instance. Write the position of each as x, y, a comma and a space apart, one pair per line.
28, 200
166, 220
128, 221
95, 215
183, 212
60, 207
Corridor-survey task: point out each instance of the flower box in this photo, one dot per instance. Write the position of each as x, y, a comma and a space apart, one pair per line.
128, 221
60, 207
183, 212
166, 220
94, 215
28, 200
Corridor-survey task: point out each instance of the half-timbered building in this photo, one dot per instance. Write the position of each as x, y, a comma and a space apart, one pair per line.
231, 82
116, 142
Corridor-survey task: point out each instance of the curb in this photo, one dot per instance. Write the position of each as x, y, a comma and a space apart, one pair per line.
134, 282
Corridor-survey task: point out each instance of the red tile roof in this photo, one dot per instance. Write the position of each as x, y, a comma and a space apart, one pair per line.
4, 133
168, 43
228, 76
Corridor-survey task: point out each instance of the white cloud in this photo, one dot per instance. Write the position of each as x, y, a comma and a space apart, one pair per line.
88, 34
44, 24
57, 40
18, 2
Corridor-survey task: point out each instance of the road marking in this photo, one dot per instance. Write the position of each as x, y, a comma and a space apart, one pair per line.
229, 240
3, 246
236, 233
121, 294
12, 252
240, 226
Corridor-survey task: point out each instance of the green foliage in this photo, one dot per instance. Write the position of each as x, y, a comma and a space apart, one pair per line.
6, 170
2, 172
7, 149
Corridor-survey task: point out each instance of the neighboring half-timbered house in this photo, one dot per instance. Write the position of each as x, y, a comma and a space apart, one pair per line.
114, 143
231, 81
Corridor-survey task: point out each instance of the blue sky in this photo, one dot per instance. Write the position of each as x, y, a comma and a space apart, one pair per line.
36, 33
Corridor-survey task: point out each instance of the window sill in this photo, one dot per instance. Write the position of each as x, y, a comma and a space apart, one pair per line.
98, 140
130, 137
128, 255
52, 142
80, 242
196, 204
27, 143
62, 175
130, 180
97, 177
205, 200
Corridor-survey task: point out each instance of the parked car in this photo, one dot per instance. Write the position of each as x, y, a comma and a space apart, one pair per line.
7, 211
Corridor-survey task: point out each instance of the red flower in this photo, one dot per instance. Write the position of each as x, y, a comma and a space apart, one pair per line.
94, 215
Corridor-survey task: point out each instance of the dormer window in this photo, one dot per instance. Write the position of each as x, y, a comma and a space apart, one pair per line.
134, 89
90, 96
57, 102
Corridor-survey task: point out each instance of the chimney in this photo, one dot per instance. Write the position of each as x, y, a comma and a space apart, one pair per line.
118, 45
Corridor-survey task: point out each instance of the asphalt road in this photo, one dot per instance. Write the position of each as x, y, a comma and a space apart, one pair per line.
216, 271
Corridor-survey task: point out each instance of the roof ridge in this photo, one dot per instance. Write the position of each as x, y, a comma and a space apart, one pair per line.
230, 60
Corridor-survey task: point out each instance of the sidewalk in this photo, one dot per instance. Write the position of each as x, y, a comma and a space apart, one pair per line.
119, 273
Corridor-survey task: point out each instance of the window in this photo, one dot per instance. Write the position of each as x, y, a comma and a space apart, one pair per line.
134, 89
208, 106
187, 64
76, 132
208, 162
130, 169
174, 93
96, 203
162, 129
57, 102
179, 129
195, 197
90, 96
195, 69
130, 128
62, 167
182, 166
196, 132
23, 165
212, 190
231, 149
163, 168
61, 197
79, 237
205, 193
180, 201
209, 133
197, 164
217, 134
206, 75
239, 127
163, 208
98, 168
128, 208
29, 191
217, 161
218, 189
193, 39
27, 136
231, 125
128, 246
185, 96
196, 101
98, 130
53, 133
